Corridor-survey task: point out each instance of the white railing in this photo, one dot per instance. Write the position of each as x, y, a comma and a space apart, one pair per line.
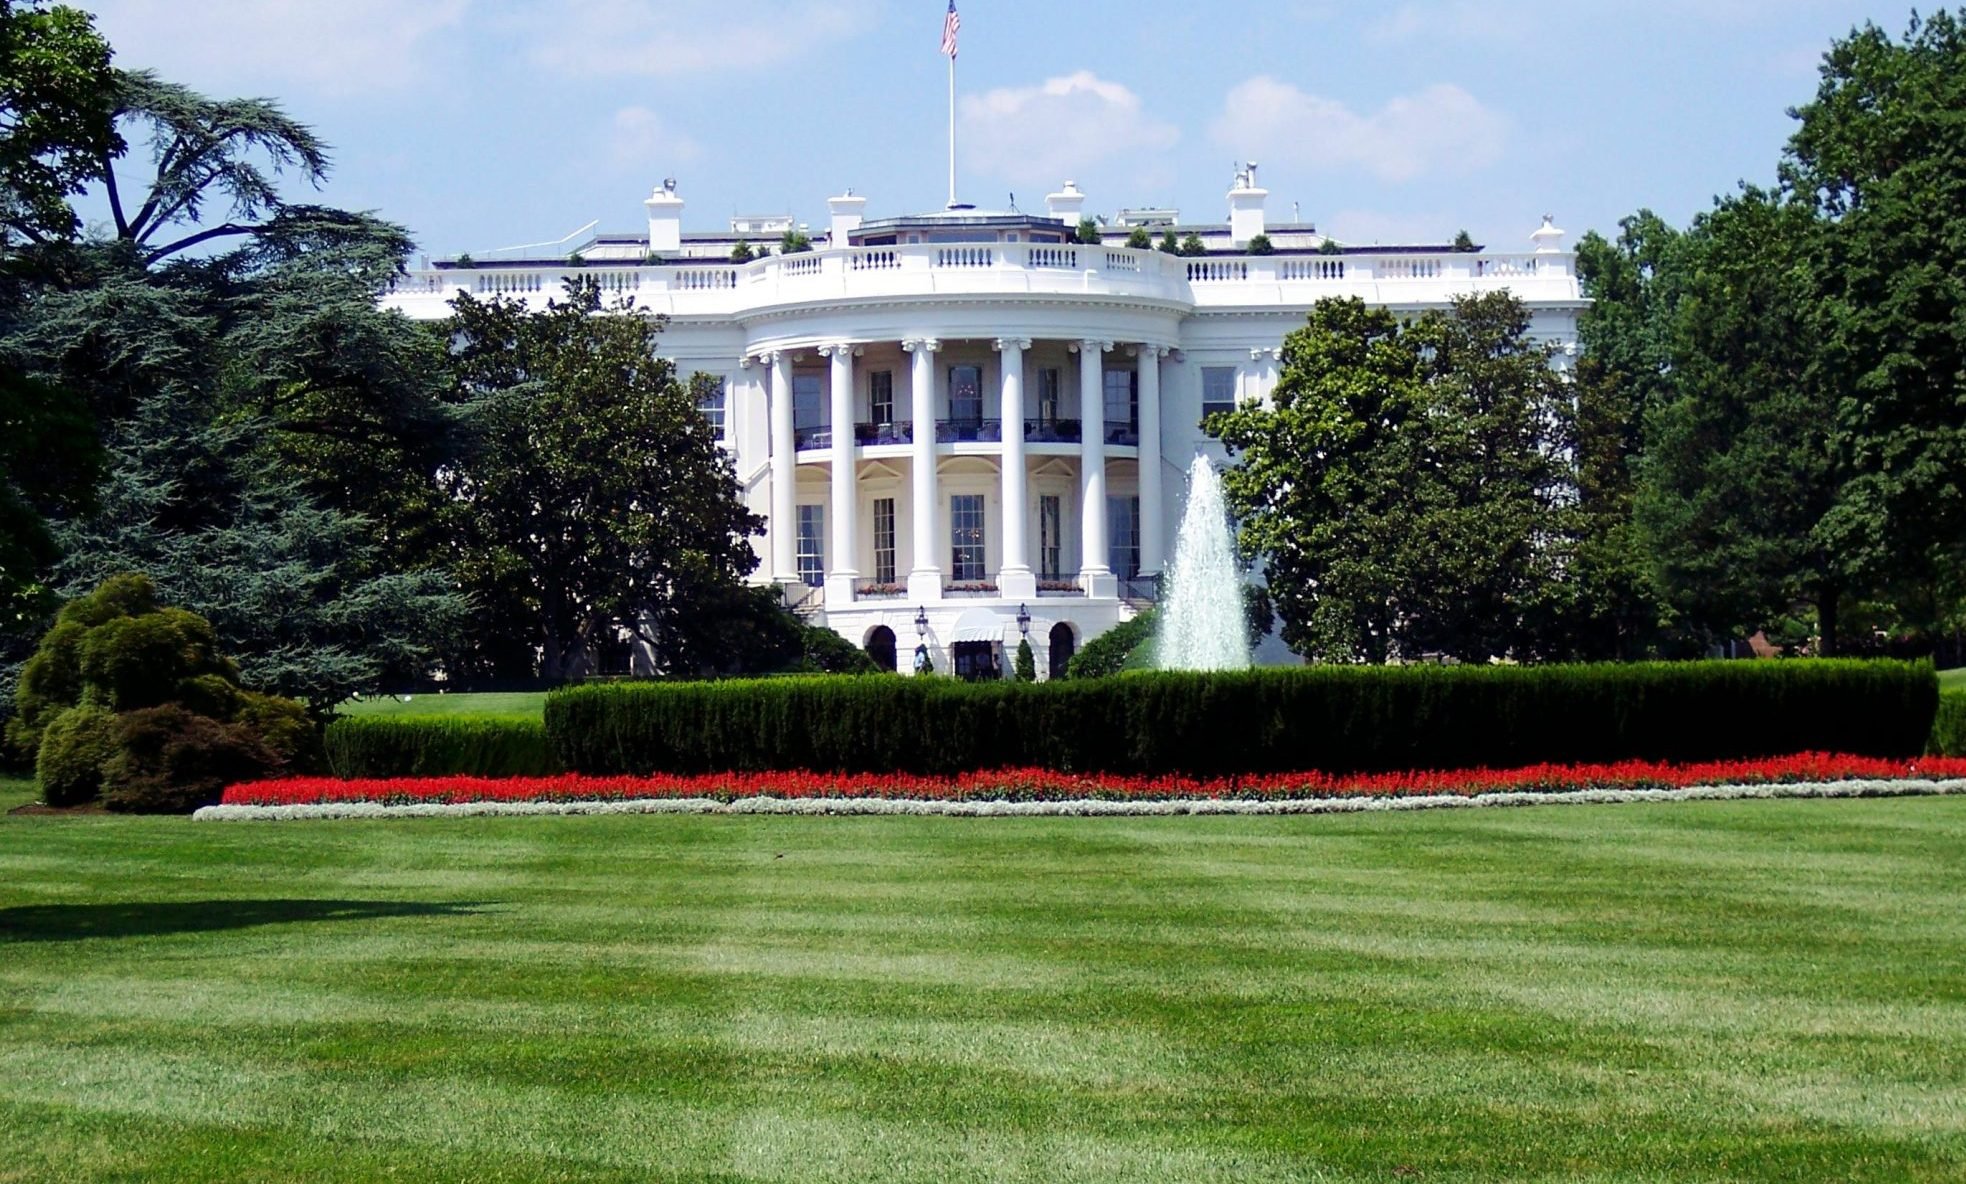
1216, 271
876, 259
965, 257
714, 288
1406, 269
1310, 269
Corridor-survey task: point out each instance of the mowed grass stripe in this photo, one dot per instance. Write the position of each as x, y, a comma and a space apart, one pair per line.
1751, 990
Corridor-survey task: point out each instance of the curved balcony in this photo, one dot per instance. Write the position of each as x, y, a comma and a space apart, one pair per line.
966, 431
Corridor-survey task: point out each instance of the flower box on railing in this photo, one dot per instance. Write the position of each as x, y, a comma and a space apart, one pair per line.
874, 590
970, 588
1059, 588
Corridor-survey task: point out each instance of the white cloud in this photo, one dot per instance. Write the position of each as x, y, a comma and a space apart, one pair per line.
641, 139
330, 46
1442, 129
1046, 133
668, 38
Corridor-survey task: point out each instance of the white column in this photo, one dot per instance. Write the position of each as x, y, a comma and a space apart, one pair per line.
841, 570
925, 579
784, 473
1152, 547
1094, 575
1015, 580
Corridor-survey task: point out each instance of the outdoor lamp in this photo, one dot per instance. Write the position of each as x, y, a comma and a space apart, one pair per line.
921, 621
1024, 619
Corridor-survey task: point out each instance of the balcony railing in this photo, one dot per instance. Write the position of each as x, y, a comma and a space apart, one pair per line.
867, 434
1126, 435
807, 438
964, 431
1051, 431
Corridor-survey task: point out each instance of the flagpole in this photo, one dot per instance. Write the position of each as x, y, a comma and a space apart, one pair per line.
952, 131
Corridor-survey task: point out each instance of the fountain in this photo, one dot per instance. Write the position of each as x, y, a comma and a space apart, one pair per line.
1203, 626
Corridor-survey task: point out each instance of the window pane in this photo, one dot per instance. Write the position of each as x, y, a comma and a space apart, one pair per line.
966, 536
1123, 536
1050, 537
884, 540
812, 556
807, 408
881, 396
966, 393
1048, 394
1121, 404
711, 404
1218, 389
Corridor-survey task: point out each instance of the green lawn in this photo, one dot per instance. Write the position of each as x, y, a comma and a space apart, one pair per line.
1699, 992
510, 705
1953, 680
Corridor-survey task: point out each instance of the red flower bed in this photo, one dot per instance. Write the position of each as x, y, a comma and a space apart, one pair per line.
1031, 785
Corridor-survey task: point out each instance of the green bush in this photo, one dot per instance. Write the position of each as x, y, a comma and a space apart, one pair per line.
1949, 726
169, 760
437, 746
75, 748
1336, 719
1026, 665
1123, 647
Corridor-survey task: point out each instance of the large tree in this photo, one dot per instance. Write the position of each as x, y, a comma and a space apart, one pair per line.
596, 496
1405, 487
57, 103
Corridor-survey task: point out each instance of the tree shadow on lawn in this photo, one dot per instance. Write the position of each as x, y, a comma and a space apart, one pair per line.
80, 922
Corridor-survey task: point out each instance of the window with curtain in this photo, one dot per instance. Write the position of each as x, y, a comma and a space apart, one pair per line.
1051, 537
1218, 390
966, 394
1123, 536
1123, 397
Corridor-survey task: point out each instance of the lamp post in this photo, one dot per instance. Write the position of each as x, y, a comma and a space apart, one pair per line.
921, 621
1024, 620
921, 641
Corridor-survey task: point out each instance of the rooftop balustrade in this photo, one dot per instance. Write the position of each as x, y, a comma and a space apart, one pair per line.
699, 288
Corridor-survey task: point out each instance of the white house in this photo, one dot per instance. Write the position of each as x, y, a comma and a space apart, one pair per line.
962, 427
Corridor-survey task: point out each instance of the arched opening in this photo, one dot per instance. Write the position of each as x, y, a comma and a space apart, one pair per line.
1063, 646
880, 647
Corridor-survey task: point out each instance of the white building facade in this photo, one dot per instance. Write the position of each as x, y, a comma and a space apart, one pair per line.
964, 429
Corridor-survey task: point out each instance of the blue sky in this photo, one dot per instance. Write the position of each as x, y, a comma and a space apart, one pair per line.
487, 123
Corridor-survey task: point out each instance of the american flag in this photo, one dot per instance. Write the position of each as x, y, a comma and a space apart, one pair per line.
950, 24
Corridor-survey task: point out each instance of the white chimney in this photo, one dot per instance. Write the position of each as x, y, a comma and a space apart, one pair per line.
1246, 206
1068, 203
846, 210
1548, 238
665, 219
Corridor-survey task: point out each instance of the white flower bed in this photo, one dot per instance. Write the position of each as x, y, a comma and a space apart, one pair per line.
1084, 808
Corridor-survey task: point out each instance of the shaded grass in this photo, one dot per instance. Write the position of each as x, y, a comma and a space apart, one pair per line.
1953, 680
493, 705
1744, 990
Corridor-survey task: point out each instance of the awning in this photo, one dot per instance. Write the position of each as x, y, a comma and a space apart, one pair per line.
977, 624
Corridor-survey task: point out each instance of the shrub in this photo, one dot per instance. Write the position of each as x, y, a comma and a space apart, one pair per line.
1333, 719
826, 652
1088, 232
159, 657
742, 252
75, 748
1140, 239
171, 761
1114, 650
1949, 725
1027, 662
1192, 245
406, 746
1261, 245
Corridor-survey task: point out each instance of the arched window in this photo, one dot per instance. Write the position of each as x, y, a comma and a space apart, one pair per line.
1063, 646
880, 647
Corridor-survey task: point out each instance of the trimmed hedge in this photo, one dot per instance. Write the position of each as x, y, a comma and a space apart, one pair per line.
436, 746
1949, 728
1332, 719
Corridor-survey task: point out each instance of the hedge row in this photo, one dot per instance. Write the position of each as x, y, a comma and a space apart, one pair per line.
1949, 728
408, 746
1334, 719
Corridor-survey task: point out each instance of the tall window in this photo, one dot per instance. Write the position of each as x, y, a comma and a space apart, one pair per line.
1123, 397
966, 536
1123, 539
1051, 537
880, 396
808, 403
812, 554
1048, 395
1218, 390
710, 401
966, 394
884, 540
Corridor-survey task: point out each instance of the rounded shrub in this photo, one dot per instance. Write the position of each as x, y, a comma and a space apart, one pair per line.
75, 749
171, 761
153, 659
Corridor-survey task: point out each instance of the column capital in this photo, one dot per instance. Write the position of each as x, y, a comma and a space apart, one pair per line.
1090, 345
1017, 343
768, 357
1261, 352
842, 349
920, 344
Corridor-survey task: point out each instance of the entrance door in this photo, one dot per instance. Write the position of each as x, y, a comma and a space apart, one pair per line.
1063, 644
976, 661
